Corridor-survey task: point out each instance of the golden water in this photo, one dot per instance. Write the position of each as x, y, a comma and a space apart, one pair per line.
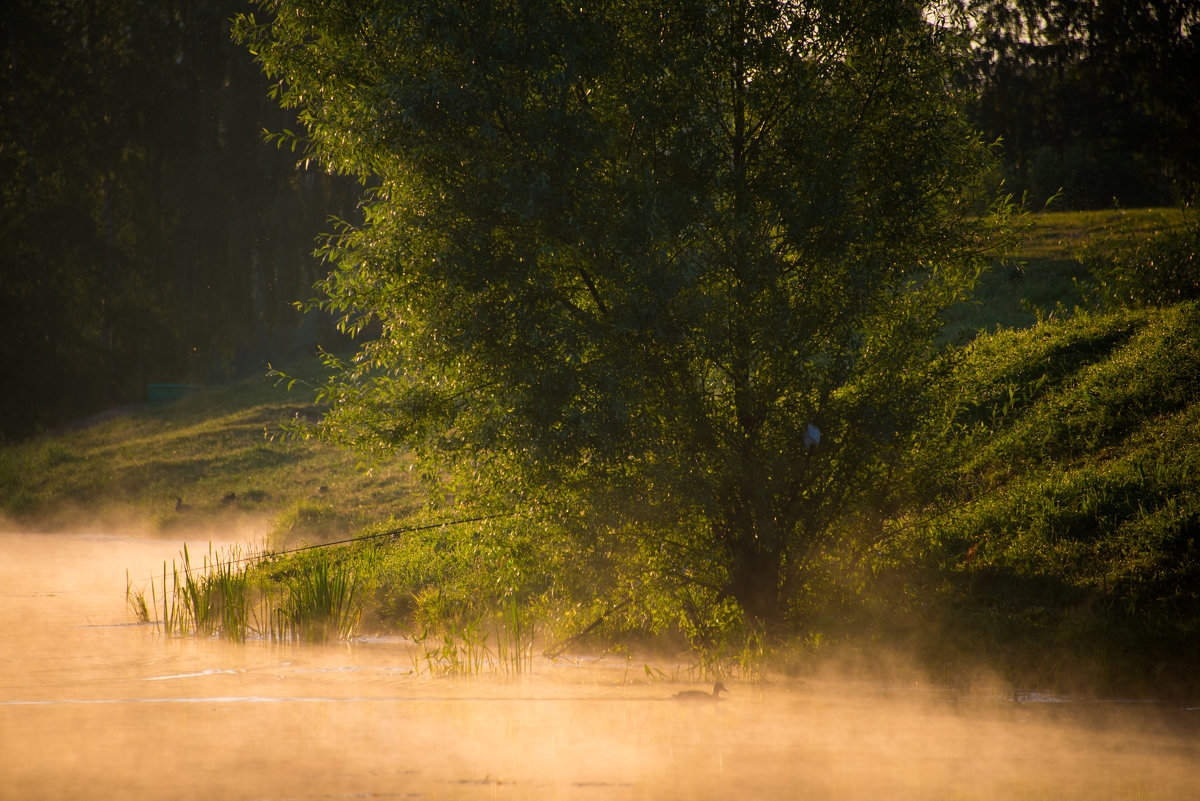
92, 707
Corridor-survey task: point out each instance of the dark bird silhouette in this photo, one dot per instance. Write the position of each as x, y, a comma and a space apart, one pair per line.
700, 695
230, 498
180, 506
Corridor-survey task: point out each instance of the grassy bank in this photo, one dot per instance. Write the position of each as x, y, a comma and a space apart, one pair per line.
1060, 553
1043, 277
1065, 551
214, 461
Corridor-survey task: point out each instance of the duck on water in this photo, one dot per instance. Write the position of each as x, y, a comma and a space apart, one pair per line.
700, 695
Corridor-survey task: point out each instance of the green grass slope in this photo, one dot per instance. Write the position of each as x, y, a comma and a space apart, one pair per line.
221, 451
1066, 552
1043, 277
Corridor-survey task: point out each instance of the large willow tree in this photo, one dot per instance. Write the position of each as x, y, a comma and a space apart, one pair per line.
638, 257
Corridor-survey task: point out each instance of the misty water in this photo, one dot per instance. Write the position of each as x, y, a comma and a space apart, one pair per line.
94, 707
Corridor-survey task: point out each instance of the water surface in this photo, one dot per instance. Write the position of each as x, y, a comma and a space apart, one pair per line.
94, 707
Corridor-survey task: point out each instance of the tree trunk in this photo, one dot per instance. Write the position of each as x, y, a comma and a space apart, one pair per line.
754, 584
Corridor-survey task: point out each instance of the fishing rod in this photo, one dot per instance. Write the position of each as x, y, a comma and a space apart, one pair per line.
389, 533
378, 535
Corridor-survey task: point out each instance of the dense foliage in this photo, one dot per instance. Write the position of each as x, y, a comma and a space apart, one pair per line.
674, 267
618, 260
1059, 551
148, 236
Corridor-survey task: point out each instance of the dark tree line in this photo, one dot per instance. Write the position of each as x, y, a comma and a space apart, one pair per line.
146, 231
148, 234
1098, 98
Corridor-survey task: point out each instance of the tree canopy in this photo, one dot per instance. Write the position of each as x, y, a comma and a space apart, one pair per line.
674, 267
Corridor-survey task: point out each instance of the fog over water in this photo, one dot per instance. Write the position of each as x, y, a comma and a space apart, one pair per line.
92, 707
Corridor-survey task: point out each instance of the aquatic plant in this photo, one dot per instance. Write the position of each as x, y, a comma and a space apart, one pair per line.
323, 600
229, 596
514, 638
135, 601
466, 645
453, 649
207, 600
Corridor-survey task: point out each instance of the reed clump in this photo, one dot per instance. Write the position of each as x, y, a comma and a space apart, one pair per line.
471, 645
234, 596
321, 602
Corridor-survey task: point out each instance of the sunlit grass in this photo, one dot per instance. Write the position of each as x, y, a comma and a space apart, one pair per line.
1059, 234
221, 450
1042, 278
1070, 552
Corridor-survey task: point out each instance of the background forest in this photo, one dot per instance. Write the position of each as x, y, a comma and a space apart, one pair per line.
148, 234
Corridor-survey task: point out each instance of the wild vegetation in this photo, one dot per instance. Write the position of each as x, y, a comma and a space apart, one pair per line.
658, 319
1065, 545
649, 264
1056, 547
212, 459
147, 235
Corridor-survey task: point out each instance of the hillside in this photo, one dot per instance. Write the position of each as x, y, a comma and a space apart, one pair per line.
1066, 549
1060, 551
1042, 277
135, 462
220, 455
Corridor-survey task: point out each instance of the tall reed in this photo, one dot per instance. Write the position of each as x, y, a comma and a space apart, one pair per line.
228, 596
470, 646
322, 601
514, 639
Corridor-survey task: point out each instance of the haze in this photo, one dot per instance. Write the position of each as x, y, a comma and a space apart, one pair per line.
94, 707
